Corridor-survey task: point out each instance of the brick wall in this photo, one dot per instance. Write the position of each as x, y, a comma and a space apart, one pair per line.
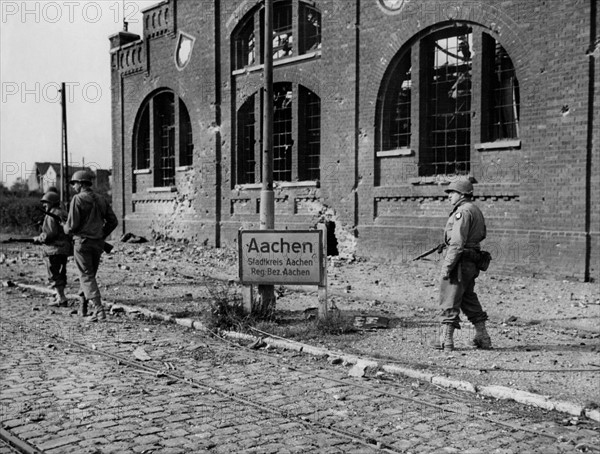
541, 199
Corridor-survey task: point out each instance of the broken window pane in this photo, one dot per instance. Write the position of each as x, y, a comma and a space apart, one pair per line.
310, 27
448, 74
306, 155
245, 45
503, 96
395, 102
282, 132
283, 39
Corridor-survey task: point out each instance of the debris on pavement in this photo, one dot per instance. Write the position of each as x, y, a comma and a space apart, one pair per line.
141, 354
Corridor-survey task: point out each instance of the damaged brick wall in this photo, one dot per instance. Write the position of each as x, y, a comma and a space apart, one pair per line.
536, 195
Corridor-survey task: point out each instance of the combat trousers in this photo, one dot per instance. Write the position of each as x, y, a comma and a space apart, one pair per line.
56, 265
86, 253
457, 293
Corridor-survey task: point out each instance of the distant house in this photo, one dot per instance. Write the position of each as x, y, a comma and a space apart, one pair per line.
44, 175
47, 174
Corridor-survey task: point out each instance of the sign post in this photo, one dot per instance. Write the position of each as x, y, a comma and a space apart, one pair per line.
323, 308
267, 196
283, 257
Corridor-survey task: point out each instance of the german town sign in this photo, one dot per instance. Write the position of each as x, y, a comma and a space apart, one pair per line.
278, 257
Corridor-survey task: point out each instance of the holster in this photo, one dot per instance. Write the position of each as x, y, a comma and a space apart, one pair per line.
481, 259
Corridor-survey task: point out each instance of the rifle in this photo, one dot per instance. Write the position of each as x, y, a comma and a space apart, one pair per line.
439, 248
107, 246
19, 240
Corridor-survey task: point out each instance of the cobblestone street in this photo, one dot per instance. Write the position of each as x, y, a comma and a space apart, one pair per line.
140, 386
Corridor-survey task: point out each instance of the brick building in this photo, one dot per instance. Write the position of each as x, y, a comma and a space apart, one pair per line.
378, 104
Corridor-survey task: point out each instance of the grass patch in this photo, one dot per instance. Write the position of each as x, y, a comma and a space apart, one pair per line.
225, 309
294, 325
336, 323
19, 214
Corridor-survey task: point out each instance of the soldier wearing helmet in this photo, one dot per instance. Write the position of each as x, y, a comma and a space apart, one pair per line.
57, 246
90, 221
464, 231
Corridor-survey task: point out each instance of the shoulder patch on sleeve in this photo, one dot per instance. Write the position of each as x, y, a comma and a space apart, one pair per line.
458, 215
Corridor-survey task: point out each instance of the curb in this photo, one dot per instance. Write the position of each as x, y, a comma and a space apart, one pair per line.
495, 391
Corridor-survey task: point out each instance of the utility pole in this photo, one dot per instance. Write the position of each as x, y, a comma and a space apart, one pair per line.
267, 197
64, 171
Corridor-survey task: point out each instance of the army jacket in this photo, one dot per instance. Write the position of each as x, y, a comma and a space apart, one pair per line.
90, 216
54, 239
465, 229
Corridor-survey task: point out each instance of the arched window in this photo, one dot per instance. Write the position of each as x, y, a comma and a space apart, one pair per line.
456, 66
395, 128
163, 122
244, 45
296, 135
290, 37
141, 146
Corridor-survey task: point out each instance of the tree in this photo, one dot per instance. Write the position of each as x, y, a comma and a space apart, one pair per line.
20, 188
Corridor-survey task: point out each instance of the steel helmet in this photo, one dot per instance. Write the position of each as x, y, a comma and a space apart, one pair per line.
51, 197
461, 186
82, 176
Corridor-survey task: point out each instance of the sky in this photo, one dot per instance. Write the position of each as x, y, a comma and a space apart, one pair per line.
45, 43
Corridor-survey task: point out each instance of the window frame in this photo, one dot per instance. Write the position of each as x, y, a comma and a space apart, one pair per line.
300, 43
164, 140
294, 135
384, 144
482, 63
142, 142
163, 127
447, 142
496, 63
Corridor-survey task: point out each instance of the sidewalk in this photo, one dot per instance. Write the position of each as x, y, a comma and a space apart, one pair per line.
546, 334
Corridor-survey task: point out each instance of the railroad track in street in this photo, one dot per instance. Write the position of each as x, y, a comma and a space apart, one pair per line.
339, 406
199, 384
10, 443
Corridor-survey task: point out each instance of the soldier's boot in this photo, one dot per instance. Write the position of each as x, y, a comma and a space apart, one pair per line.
482, 338
446, 339
83, 306
99, 314
61, 300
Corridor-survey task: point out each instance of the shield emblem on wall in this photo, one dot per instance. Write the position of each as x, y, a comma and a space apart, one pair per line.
392, 6
183, 52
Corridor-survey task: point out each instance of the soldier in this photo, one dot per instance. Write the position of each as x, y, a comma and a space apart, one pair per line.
465, 229
90, 221
57, 247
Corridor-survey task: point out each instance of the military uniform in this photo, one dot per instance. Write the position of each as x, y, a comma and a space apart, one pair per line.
90, 221
464, 231
57, 248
